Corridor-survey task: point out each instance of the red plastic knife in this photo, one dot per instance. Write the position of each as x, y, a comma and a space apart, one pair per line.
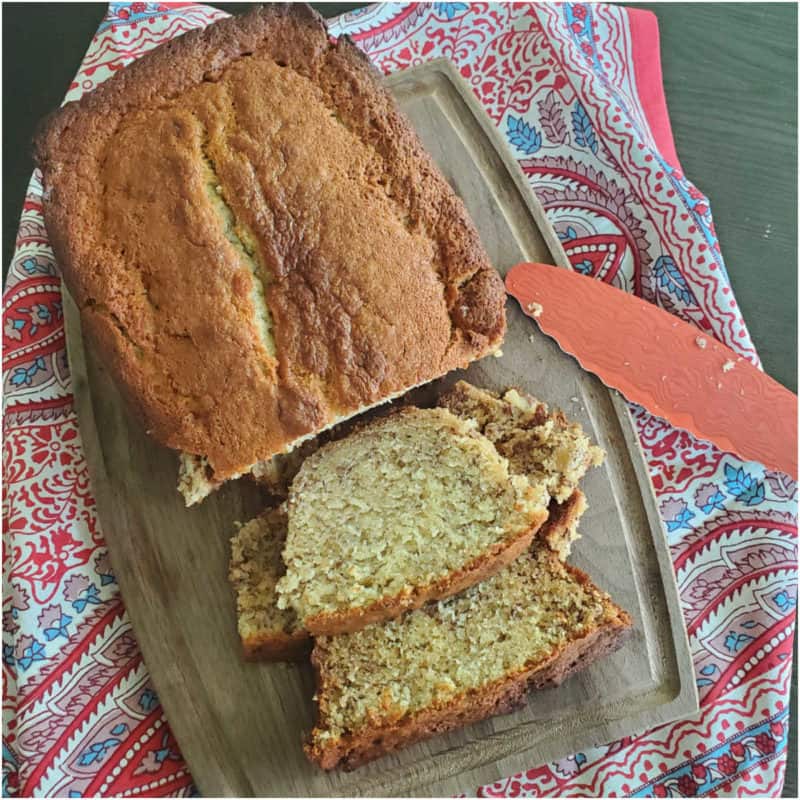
662, 363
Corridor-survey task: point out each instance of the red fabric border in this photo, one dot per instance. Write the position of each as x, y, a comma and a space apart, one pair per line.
646, 55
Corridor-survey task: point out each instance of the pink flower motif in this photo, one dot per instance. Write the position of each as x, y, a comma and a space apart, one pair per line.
699, 771
11, 331
776, 728
687, 786
671, 508
659, 790
704, 492
579, 12
149, 763
765, 744
738, 751
577, 27
569, 767
19, 597
727, 765
23, 643
50, 617
9, 623
708, 496
102, 564
75, 586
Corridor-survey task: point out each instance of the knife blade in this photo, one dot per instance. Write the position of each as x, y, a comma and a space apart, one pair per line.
662, 363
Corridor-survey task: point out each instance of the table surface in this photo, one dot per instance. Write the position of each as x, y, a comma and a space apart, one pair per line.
733, 107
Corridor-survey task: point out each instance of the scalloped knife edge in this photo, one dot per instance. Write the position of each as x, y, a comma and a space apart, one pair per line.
668, 366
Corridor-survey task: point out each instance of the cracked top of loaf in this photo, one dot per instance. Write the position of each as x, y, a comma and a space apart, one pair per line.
256, 240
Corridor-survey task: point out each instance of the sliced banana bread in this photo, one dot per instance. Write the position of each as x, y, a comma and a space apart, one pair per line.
459, 660
272, 634
521, 425
267, 632
412, 507
544, 446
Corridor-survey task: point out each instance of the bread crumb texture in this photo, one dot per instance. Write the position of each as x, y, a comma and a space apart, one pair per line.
545, 447
516, 621
535, 310
257, 241
257, 562
399, 505
265, 630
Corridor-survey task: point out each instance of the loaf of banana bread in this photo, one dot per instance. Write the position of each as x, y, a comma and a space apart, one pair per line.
258, 244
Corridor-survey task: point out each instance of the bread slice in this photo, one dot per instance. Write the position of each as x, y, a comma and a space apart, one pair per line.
459, 660
412, 507
267, 632
257, 241
545, 446
272, 634
537, 442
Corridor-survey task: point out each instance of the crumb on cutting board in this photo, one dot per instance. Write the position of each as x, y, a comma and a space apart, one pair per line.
701, 342
728, 366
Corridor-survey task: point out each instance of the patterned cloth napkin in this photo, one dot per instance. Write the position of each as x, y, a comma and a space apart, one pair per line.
576, 91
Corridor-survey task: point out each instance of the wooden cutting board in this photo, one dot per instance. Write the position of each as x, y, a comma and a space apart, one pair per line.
240, 725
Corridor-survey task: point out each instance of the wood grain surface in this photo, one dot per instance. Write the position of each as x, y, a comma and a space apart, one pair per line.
240, 724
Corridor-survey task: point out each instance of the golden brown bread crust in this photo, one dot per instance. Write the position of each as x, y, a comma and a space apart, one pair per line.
477, 570
502, 697
256, 157
278, 647
560, 530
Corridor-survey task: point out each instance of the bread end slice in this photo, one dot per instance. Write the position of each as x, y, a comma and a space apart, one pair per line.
541, 444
